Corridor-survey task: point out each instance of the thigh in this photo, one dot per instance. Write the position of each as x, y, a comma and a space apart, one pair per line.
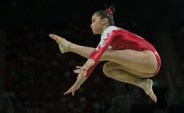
140, 61
112, 66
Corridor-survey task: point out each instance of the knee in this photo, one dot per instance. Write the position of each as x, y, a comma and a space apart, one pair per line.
108, 54
107, 67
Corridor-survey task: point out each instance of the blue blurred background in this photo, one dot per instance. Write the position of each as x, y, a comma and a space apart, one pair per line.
34, 74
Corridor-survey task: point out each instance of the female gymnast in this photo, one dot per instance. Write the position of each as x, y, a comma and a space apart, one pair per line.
130, 58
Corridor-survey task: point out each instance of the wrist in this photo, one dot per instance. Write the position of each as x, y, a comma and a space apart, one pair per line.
85, 68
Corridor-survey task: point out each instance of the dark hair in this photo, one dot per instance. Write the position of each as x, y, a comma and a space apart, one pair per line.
108, 13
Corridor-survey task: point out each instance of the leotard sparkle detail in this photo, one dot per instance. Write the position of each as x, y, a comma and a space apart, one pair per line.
120, 39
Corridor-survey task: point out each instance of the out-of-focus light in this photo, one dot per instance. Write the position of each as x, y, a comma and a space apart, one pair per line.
14, 4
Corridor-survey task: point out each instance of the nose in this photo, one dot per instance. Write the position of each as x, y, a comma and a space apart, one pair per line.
91, 26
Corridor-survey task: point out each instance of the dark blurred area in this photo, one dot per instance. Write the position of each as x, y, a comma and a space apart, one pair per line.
34, 74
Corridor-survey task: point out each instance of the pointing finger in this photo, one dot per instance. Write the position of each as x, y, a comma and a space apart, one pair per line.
67, 92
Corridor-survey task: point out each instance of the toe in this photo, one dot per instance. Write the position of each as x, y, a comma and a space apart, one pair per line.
149, 90
152, 96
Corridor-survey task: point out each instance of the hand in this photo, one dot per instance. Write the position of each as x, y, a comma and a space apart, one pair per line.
80, 71
72, 89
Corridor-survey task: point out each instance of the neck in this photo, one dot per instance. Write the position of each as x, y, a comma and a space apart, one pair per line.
104, 27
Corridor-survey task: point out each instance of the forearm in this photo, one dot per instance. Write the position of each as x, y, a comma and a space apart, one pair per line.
82, 78
89, 63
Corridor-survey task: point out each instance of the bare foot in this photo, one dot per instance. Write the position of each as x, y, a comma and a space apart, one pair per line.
63, 44
57, 38
149, 90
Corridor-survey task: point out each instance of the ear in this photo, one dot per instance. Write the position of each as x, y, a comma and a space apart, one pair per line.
104, 21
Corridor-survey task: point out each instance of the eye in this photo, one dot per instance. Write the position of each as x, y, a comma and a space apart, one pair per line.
93, 21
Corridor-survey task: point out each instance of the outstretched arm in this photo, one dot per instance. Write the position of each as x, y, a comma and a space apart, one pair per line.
88, 67
81, 71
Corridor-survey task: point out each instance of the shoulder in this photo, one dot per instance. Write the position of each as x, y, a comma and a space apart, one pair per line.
109, 30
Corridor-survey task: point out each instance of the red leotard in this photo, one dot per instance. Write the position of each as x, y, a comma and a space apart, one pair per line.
120, 39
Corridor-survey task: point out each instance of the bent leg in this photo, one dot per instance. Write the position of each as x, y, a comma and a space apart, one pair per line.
140, 61
112, 66
126, 77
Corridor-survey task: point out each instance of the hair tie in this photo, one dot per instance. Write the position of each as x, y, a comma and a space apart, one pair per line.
109, 11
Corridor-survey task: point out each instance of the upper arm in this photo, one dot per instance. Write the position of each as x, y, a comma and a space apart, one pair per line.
105, 42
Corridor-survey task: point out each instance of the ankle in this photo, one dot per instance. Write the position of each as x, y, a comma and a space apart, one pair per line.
64, 45
71, 47
143, 83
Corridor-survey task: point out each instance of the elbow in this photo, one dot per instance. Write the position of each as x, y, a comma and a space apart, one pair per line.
92, 61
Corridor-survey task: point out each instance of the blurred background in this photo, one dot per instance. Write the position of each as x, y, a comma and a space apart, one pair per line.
34, 74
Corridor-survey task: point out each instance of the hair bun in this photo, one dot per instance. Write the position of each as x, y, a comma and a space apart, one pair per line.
110, 10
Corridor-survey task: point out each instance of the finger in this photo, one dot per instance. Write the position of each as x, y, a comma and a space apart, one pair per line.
69, 91
73, 93
76, 71
66, 93
79, 67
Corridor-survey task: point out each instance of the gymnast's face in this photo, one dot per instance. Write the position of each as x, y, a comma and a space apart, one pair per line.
96, 24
